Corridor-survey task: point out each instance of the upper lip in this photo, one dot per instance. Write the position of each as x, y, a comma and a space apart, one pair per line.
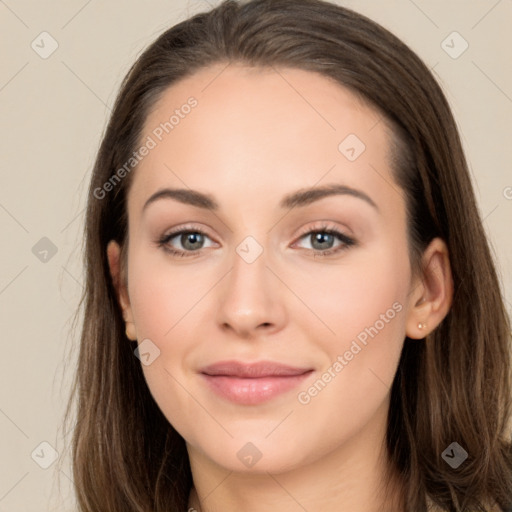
252, 370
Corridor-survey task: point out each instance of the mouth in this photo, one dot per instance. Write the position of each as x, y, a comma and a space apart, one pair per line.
254, 383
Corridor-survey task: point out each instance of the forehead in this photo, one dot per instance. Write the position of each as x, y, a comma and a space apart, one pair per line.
233, 127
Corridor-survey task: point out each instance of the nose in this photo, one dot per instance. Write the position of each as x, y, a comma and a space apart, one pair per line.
251, 299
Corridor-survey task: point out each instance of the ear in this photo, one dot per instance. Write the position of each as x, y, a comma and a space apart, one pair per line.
432, 292
114, 262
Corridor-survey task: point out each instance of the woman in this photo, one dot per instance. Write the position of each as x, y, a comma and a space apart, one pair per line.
290, 298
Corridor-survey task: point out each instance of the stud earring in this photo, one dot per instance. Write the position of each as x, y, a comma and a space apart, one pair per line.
421, 326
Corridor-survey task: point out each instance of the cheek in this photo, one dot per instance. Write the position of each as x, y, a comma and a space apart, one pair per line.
360, 360
169, 306
155, 306
162, 311
160, 295
365, 310
352, 297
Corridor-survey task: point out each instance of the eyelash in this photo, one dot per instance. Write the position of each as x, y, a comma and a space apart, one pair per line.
347, 242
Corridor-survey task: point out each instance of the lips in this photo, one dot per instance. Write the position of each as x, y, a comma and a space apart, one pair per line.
252, 370
252, 383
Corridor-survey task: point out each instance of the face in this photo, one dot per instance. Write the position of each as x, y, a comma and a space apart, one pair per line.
262, 271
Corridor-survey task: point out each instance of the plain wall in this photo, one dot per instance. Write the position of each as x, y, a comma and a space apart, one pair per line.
53, 113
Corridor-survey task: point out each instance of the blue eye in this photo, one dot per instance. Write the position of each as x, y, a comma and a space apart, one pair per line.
324, 240
192, 241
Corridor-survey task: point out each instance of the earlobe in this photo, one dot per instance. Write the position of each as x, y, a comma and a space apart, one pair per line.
114, 262
432, 297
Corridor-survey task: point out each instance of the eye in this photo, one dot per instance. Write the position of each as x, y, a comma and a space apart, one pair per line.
190, 238
323, 238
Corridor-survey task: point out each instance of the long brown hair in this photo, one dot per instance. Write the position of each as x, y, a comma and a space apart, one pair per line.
453, 386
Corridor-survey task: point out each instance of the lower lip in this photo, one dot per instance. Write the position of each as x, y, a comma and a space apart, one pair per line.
253, 391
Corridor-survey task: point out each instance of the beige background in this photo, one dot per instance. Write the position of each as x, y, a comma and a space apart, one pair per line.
53, 113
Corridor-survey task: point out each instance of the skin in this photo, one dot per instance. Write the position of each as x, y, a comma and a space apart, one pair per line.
255, 136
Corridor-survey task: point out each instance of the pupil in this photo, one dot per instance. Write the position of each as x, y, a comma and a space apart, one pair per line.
191, 238
320, 237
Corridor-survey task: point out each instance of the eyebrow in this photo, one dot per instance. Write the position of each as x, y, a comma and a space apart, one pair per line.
302, 197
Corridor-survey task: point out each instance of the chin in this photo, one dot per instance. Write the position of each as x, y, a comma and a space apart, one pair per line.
256, 455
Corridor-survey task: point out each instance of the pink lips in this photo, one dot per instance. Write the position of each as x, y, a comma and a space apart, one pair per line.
251, 384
